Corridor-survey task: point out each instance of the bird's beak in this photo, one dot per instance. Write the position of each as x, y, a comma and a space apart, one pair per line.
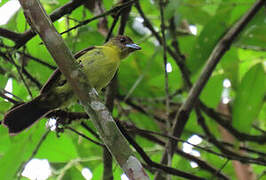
133, 46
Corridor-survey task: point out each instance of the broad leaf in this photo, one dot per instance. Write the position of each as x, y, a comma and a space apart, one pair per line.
249, 98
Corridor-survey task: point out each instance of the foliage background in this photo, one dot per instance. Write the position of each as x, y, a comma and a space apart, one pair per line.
141, 79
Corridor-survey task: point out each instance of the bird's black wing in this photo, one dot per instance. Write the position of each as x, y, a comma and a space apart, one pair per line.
84, 51
55, 77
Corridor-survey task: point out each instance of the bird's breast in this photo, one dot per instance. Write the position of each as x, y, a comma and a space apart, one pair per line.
101, 67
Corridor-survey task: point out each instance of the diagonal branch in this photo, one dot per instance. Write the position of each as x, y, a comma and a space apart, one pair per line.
99, 114
228, 126
217, 53
149, 136
147, 159
10, 35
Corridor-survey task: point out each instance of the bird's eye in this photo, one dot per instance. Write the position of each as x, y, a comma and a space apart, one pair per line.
122, 40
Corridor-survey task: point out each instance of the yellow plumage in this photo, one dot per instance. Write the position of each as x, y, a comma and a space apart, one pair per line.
100, 71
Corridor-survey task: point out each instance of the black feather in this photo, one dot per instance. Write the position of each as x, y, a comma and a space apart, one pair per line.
24, 115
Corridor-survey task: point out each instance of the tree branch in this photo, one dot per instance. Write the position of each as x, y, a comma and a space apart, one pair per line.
217, 53
101, 117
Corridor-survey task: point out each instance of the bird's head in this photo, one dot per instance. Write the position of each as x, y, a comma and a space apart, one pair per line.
124, 44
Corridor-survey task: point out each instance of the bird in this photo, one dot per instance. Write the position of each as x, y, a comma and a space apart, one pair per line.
99, 63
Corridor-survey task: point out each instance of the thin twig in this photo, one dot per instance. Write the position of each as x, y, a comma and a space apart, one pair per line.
223, 166
55, 15
166, 85
65, 114
33, 153
124, 18
113, 10
168, 155
37, 60
115, 20
147, 159
7, 92
9, 59
178, 58
31, 78
225, 151
228, 126
141, 109
4, 96
90, 130
84, 136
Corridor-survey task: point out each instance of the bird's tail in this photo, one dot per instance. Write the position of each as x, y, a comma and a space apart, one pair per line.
24, 115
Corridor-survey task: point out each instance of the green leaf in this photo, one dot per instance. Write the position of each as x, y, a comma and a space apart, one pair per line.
207, 41
73, 173
97, 172
202, 16
19, 90
3, 81
11, 161
249, 58
5, 141
191, 126
230, 66
18, 149
4, 106
171, 9
57, 149
253, 36
240, 7
211, 94
249, 98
